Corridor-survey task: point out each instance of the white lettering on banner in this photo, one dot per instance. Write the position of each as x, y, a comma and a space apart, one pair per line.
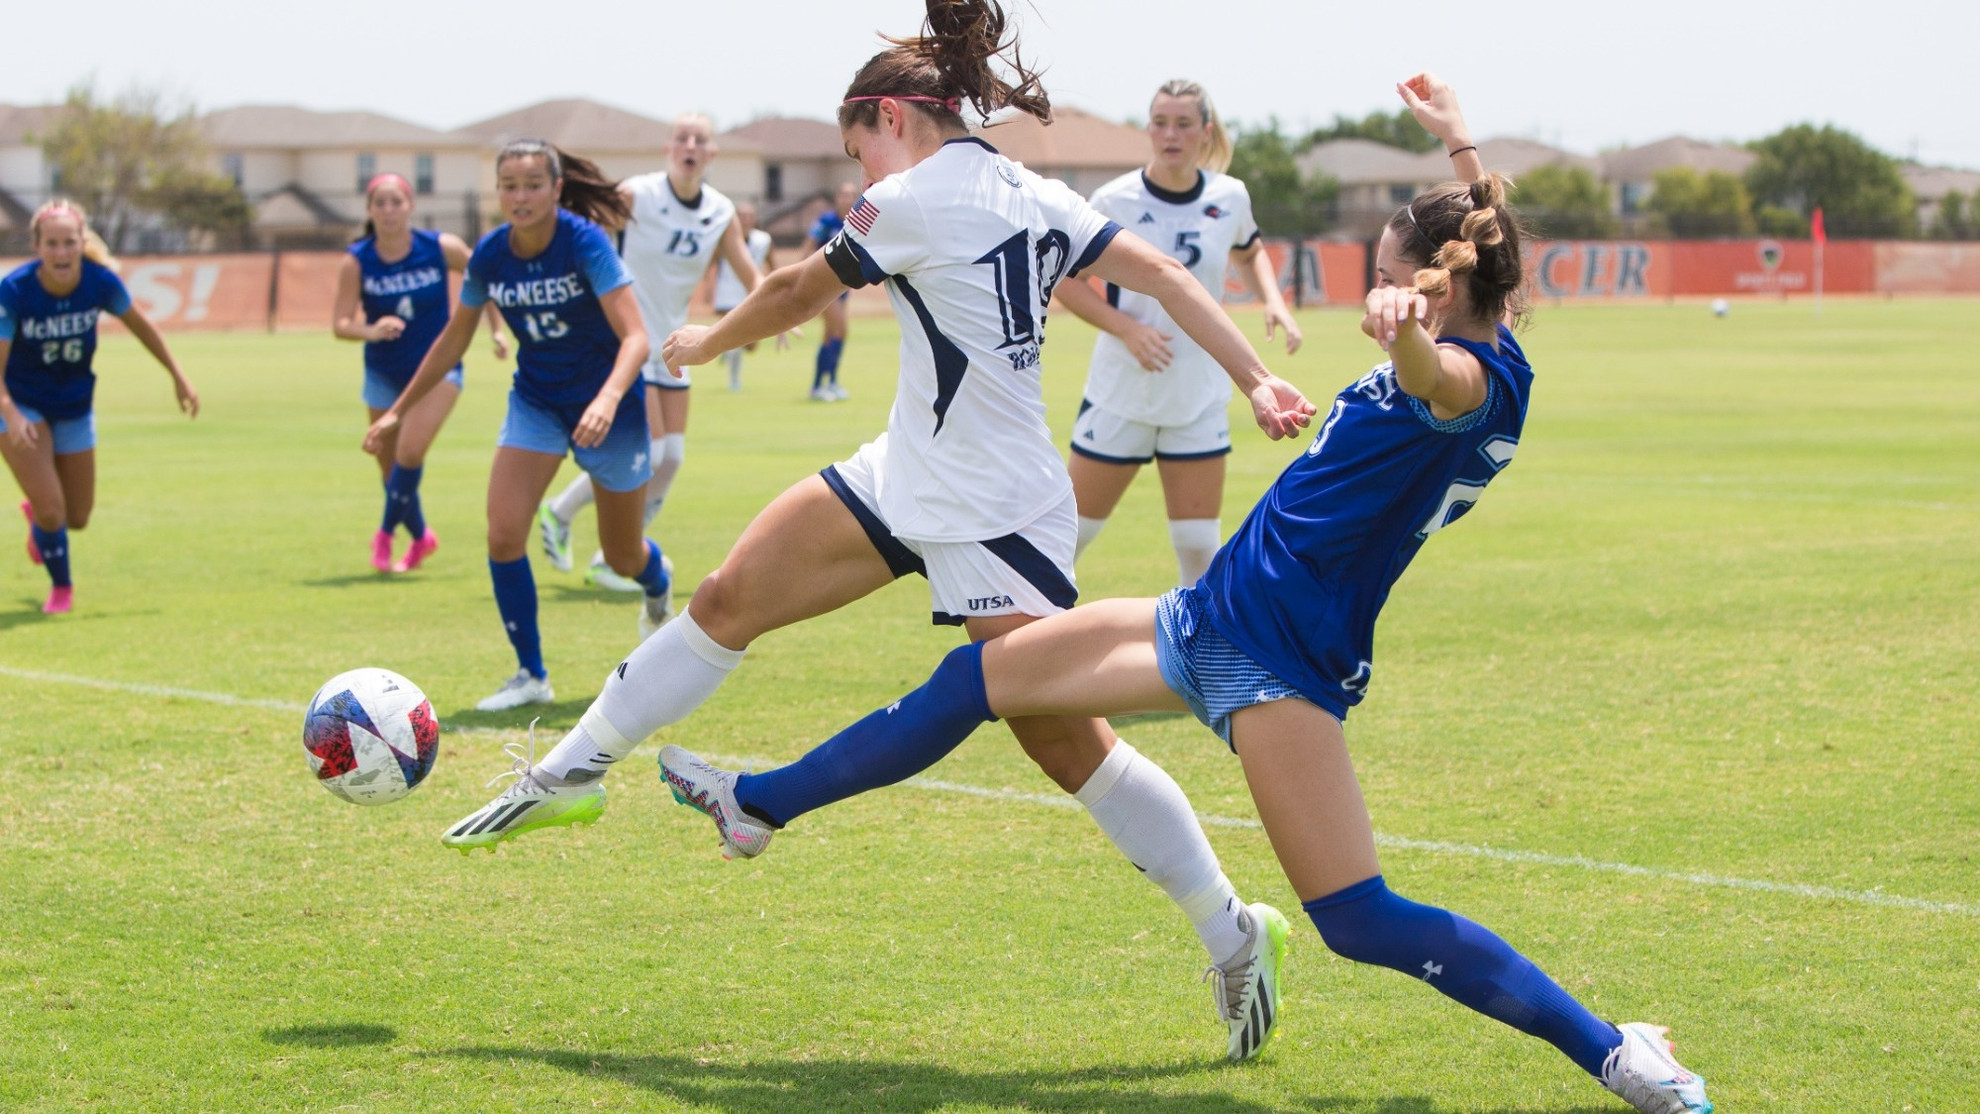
154, 288
205, 277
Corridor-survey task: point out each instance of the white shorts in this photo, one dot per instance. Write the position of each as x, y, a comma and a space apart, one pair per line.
1111, 439
655, 373
1029, 572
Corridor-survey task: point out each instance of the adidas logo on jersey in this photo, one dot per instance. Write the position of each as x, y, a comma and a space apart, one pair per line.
1146, 218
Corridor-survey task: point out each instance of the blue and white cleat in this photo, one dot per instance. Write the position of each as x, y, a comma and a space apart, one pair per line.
1646, 1074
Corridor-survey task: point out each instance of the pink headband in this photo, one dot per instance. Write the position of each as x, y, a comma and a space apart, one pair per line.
388, 176
953, 104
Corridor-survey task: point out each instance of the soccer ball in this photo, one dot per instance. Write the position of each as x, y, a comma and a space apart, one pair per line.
1721, 307
370, 736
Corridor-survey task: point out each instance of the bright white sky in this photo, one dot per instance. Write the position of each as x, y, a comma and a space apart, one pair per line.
1583, 75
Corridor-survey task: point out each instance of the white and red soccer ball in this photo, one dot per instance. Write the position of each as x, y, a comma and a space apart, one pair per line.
371, 736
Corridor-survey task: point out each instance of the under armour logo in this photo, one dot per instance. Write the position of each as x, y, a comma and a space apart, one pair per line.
894, 707
1431, 970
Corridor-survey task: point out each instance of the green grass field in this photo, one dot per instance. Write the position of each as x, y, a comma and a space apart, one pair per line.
1699, 672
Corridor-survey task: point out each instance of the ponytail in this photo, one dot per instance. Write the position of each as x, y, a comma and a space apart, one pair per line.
1467, 233
1216, 155
94, 249
947, 65
585, 189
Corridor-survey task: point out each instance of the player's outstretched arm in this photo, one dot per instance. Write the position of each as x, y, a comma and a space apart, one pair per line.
789, 297
447, 350
1131, 263
19, 431
622, 310
1450, 379
147, 335
1435, 106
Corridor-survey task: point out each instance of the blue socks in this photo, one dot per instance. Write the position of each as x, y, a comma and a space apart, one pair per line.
828, 362
654, 576
53, 545
515, 598
402, 502
890, 745
1369, 924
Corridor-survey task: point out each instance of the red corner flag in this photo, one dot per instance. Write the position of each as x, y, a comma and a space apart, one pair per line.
1815, 230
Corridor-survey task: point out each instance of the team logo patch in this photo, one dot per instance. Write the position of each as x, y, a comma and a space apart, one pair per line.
1009, 175
862, 215
1213, 212
1146, 218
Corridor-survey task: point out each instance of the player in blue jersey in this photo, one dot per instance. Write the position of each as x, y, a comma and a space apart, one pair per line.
832, 343
580, 345
392, 295
1274, 645
965, 487
48, 315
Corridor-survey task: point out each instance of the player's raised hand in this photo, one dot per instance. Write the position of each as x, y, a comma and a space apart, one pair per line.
1279, 408
1435, 106
683, 348
1389, 308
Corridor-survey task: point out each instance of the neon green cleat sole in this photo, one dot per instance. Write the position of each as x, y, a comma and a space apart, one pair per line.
524, 809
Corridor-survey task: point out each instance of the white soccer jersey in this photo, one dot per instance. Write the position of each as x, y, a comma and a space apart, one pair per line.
970, 245
729, 291
1201, 228
667, 247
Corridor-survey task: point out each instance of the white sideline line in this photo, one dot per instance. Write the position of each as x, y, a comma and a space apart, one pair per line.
1400, 843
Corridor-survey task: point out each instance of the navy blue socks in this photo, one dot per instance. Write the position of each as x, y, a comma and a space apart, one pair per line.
890, 745
1369, 924
515, 598
828, 362
654, 576
402, 502
53, 545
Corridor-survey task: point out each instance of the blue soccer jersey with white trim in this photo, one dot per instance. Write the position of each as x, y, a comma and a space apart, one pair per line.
414, 290
565, 346
1299, 585
51, 365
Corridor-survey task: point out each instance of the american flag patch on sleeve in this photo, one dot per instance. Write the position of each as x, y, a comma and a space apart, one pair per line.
862, 215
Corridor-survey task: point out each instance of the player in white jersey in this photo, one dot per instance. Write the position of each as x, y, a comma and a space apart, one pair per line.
729, 290
1153, 394
965, 486
679, 226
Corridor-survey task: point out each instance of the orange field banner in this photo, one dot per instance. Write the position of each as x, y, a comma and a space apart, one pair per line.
306, 289
1328, 274
1908, 268
1628, 269
201, 291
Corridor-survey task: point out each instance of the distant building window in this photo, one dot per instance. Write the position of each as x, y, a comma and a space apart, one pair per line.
1634, 194
233, 165
423, 173
773, 181
1402, 194
367, 168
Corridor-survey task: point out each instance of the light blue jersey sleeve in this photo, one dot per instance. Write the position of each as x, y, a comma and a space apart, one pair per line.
7, 310
603, 268
474, 287
116, 297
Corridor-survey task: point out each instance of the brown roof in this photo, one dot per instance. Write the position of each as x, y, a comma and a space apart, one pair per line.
1355, 162
575, 125
1513, 157
19, 122
1076, 139
1640, 164
286, 126
788, 137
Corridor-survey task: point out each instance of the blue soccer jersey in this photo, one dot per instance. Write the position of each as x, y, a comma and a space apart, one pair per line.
826, 226
54, 339
414, 290
1297, 588
565, 344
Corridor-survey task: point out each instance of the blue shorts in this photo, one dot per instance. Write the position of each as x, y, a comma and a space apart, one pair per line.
381, 390
71, 435
623, 462
1212, 676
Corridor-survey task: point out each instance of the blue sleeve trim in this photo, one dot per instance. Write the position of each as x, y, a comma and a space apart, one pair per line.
1094, 247
474, 293
1463, 423
116, 296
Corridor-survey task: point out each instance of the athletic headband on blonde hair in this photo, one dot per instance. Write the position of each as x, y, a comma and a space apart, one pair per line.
380, 179
953, 104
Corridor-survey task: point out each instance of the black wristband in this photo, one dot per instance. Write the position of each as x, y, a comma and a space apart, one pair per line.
1462, 150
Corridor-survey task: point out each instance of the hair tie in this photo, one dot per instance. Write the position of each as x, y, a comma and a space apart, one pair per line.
1427, 242
953, 104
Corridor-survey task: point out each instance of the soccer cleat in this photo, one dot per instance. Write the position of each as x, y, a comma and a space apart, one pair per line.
1246, 988
1643, 1071
601, 574
34, 551
656, 610
821, 394
556, 536
381, 551
422, 548
838, 393
712, 792
517, 691
527, 805
60, 601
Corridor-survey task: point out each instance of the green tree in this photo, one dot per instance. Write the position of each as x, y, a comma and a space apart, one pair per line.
1691, 204
120, 157
1955, 219
1857, 186
1565, 203
1398, 130
1284, 202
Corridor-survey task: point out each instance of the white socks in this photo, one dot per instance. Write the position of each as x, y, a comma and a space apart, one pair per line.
667, 677
1142, 809
572, 499
1196, 541
733, 358
1089, 528
669, 450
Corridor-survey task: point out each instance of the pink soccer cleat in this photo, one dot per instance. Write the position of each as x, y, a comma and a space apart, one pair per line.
60, 601
381, 551
422, 548
34, 551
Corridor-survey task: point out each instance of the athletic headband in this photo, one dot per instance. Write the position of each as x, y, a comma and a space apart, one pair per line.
381, 179
1411, 210
953, 104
